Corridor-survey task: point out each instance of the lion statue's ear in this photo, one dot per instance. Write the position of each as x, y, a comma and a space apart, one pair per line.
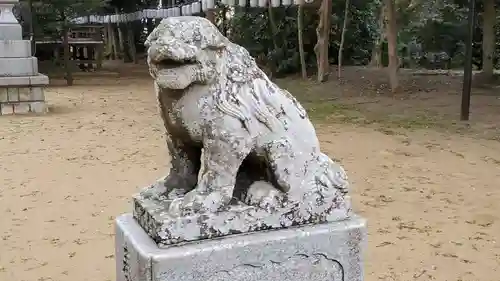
213, 41
211, 37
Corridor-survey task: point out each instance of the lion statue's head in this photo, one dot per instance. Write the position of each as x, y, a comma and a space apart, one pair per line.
183, 50
188, 50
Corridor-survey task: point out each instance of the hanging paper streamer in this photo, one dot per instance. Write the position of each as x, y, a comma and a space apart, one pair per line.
242, 3
262, 3
196, 8
204, 5
177, 11
254, 3
231, 3
275, 3
188, 10
210, 4
287, 3
224, 2
139, 15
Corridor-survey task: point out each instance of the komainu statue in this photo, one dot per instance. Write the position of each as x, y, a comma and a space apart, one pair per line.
244, 154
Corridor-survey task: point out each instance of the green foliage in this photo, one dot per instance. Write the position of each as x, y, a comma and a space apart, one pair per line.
251, 27
52, 16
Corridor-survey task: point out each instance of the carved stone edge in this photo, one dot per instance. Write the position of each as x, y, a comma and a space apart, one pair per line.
152, 215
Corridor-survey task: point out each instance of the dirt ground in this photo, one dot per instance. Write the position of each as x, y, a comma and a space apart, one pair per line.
428, 185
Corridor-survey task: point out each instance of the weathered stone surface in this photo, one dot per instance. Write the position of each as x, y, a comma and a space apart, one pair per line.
320, 252
13, 94
38, 107
234, 136
6, 109
25, 94
21, 108
152, 212
4, 95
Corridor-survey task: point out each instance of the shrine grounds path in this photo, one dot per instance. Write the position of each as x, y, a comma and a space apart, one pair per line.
429, 186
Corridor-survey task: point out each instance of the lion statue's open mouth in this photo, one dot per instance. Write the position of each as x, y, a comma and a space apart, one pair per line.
183, 51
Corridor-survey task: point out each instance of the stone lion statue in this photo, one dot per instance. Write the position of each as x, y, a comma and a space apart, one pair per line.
231, 132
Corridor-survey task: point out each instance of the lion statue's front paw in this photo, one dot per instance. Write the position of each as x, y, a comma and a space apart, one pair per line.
196, 202
264, 195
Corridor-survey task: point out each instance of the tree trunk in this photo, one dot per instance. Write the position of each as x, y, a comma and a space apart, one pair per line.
111, 39
323, 35
489, 19
131, 42
342, 38
300, 29
32, 33
274, 32
272, 24
210, 15
392, 35
376, 60
67, 62
121, 44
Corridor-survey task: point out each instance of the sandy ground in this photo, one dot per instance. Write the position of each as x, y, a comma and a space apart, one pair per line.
432, 200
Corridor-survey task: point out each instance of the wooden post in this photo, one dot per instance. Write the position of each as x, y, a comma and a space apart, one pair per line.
67, 66
57, 51
107, 44
100, 55
323, 34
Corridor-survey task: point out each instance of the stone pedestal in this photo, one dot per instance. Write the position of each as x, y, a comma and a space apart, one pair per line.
21, 86
317, 252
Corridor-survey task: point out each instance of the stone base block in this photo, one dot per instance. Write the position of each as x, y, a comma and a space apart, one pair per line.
23, 108
22, 100
10, 31
15, 48
18, 66
35, 80
153, 213
321, 252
